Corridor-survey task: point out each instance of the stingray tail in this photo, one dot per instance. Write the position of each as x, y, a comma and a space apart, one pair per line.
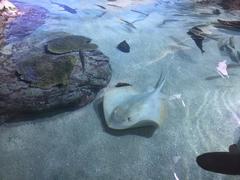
161, 80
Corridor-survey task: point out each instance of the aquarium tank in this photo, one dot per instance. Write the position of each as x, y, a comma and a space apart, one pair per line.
119, 90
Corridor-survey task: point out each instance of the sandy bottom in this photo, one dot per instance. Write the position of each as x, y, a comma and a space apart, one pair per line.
78, 145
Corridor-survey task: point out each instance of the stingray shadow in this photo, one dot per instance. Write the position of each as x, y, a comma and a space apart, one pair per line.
143, 131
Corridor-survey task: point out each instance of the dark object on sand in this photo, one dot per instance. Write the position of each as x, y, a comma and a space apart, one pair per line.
198, 36
65, 7
216, 11
221, 162
124, 47
122, 84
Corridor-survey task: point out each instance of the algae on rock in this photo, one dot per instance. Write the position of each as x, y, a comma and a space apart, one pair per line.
72, 43
46, 71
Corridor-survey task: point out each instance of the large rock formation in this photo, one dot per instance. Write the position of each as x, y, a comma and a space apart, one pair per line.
226, 4
35, 80
230, 4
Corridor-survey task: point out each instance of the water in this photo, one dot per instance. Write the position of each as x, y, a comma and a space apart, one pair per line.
77, 145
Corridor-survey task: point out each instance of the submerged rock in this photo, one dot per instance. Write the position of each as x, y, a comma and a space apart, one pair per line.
3, 21
70, 43
34, 81
230, 4
31, 18
226, 4
124, 47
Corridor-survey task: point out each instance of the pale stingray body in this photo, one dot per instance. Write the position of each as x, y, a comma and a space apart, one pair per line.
125, 107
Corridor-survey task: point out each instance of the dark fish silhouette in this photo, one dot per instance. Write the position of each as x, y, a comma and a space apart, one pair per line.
102, 7
197, 36
66, 8
122, 84
130, 24
145, 14
221, 162
113, 5
124, 47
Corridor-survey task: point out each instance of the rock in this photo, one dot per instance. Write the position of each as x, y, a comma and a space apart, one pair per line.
70, 44
124, 47
32, 18
230, 4
3, 21
34, 81
226, 4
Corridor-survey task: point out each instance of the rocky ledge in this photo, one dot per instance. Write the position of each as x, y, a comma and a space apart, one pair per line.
51, 74
225, 4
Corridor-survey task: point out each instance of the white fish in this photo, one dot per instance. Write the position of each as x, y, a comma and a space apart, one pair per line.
125, 107
222, 69
175, 175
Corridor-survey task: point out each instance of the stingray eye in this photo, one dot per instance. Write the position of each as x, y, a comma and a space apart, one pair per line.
129, 119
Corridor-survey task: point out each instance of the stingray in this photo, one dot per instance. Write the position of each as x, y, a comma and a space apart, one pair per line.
197, 36
125, 107
227, 47
230, 25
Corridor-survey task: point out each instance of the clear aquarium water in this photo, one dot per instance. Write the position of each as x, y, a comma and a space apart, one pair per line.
202, 114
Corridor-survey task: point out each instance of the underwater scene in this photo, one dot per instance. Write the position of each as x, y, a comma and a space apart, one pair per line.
119, 90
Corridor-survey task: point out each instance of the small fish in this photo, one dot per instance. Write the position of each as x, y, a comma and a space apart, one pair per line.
220, 162
121, 84
102, 7
222, 69
82, 59
128, 23
139, 12
167, 21
197, 36
102, 14
65, 7
113, 5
